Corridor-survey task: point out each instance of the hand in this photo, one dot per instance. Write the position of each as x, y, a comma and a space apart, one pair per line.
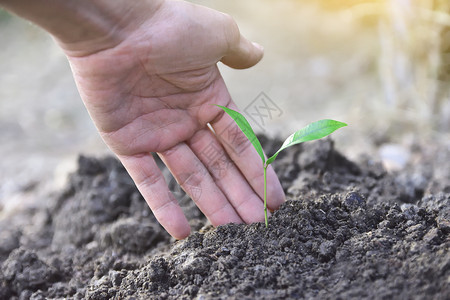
153, 92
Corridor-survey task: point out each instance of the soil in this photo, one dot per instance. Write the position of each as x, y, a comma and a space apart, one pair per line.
349, 230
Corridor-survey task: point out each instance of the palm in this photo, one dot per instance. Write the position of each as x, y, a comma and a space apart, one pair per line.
145, 122
153, 93
134, 117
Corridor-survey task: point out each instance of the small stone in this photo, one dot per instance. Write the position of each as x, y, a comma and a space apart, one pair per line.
432, 236
417, 227
354, 200
409, 210
327, 250
394, 157
443, 224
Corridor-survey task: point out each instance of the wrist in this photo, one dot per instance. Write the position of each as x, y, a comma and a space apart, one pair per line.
83, 27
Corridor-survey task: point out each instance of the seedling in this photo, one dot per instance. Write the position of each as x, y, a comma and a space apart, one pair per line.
313, 131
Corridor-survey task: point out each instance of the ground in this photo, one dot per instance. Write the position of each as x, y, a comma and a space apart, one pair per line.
349, 230
367, 216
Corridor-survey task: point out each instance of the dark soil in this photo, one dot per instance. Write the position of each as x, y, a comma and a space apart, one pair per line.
348, 231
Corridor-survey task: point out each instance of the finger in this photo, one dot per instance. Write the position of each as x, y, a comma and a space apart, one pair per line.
150, 182
241, 53
195, 180
241, 151
227, 176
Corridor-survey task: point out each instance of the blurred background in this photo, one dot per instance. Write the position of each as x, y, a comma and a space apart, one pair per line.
382, 66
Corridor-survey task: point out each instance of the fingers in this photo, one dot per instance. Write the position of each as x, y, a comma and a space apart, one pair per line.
227, 176
196, 181
245, 157
241, 53
150, 182
245, 55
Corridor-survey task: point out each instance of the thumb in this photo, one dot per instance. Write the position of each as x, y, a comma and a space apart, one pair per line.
243, 55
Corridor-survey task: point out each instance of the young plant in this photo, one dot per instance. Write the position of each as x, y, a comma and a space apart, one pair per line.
313, 131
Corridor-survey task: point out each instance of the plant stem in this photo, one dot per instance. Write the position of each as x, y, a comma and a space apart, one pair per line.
265, 195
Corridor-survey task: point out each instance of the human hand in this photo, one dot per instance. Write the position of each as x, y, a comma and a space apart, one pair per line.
153, 92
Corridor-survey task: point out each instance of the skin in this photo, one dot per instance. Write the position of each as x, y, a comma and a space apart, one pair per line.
147, 74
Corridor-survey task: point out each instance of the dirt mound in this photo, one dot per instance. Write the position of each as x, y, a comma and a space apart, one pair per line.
348, 230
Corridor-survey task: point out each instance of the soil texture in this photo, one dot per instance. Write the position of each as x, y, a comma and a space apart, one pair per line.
349, 230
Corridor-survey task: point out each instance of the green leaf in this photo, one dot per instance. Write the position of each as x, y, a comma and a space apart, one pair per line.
246, 129
313, 131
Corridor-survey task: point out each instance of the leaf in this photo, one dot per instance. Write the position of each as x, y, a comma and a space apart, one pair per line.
313, 131
246, 129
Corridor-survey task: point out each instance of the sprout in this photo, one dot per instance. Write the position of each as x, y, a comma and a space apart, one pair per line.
313, 131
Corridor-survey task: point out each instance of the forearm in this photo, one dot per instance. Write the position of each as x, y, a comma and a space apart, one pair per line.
83, 27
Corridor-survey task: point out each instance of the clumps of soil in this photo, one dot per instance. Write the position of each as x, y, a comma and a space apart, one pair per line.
348, 230
314, 248
99, 217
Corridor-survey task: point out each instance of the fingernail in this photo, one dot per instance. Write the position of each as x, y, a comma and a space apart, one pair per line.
258, 46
